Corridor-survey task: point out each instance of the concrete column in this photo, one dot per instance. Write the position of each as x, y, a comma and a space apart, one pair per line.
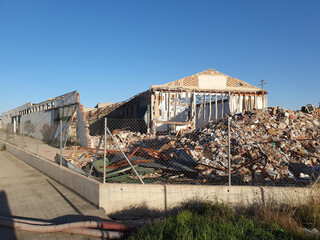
14, 125
222, 105
152, 116
216, 103
194, 110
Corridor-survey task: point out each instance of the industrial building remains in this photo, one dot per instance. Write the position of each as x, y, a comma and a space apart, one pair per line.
42, 120
202, 129
187, 103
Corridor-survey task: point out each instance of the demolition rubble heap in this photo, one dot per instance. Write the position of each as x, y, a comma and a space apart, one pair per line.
276, 146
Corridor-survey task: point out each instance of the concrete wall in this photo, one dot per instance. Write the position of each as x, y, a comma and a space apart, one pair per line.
66, 99
86, 187
42, 120
115, 197
81, 128
7, 116
42, 124
33, 124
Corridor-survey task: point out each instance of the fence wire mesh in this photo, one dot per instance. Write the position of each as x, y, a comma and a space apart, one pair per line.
43, 139
258, 154
270, 147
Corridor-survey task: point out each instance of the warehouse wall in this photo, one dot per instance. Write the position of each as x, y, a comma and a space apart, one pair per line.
42, 120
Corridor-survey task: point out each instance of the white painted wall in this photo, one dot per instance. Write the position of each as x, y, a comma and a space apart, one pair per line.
38, 121
81, 129
212, 82
7, 116
38, 116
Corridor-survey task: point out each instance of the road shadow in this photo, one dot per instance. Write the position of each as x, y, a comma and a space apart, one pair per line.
137, 212
6, 232
66, 199
77, 218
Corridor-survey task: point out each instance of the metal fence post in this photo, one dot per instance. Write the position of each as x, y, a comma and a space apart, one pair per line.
13, 133
37, 145
315, 182
21, 133
7, 139
60, 142
104, 150
148, 118
229, 161
125, 156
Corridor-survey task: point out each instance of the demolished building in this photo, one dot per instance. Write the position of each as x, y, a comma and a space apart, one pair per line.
189, 102
42, 120
274, 146
271, 147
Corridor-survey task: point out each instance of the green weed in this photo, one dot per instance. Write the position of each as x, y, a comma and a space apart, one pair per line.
210, 221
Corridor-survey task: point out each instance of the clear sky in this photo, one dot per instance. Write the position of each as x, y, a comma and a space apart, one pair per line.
112, 50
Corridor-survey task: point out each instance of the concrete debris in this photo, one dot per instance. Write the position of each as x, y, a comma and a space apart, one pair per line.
308, 109
311, 232
275, 146
80, 160
126, 139
265, 146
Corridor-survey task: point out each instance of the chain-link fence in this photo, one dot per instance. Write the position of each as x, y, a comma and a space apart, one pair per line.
244, 149
204, 156
44, 139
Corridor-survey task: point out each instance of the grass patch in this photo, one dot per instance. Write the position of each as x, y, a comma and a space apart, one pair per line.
211, 221
290, 218
308, 215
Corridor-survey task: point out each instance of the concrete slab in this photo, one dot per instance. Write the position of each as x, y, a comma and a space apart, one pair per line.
27, 193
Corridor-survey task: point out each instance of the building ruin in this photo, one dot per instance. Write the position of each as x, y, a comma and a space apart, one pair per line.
186, 103
42, 120
189, 102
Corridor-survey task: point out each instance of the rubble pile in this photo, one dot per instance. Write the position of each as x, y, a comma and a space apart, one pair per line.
128, 140
276, 146
80, 160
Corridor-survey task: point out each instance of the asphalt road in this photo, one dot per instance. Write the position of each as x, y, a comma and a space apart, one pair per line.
27, 193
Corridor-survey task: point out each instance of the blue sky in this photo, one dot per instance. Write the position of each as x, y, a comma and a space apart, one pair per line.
112, 50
